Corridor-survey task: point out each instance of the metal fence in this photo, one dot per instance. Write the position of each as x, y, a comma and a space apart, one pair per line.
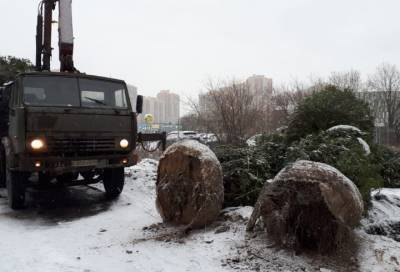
386, 136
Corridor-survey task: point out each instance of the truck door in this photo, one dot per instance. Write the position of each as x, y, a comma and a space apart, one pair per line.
16, 128
4, 113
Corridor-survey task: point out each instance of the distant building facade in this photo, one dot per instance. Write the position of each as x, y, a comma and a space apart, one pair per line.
171, 104
384, 134
377, 105
205, 102
165, 108
259, 85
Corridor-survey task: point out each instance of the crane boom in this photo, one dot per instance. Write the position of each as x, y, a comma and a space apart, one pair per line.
44, 31
66, 35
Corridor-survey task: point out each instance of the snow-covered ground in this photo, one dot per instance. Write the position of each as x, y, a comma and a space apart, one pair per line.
77, 229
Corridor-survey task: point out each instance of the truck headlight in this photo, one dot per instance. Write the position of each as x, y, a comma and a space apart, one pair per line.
37, 144
124, 143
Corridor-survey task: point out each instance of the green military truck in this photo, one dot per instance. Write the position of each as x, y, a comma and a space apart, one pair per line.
65, 129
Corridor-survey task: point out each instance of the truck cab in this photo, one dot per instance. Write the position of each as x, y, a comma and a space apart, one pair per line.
65, 129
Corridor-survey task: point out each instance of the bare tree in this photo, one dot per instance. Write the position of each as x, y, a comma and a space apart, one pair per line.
386, 83
196, 119
349, 80
230, 110
235, 110
282, 100
189, 122
285, 100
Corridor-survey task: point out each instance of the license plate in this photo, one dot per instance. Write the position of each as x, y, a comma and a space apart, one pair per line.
84, 163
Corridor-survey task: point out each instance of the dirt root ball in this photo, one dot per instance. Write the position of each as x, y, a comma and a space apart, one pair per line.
189, 185
309, 205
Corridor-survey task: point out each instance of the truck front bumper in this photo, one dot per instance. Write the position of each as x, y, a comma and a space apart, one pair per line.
61, 165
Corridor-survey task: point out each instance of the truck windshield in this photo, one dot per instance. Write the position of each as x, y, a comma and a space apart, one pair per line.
99, 93
73, 92
51, 91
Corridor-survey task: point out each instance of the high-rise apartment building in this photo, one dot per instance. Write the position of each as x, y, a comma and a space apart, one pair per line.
164, 108
171, 103
258, 85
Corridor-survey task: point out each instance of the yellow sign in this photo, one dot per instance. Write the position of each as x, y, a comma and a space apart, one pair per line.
148, 118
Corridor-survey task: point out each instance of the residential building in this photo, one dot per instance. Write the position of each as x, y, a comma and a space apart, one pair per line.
165, 108
384, 133
377, 106
171, 103
258, 85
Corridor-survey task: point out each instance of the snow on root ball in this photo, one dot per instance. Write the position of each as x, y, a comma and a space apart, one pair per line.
364, 145
345, 127
309, 205
189, 185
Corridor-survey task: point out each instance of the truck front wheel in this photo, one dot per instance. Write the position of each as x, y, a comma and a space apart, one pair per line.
16, 183
113, 180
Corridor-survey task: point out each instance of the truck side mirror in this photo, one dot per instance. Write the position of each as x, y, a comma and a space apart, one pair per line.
139, 104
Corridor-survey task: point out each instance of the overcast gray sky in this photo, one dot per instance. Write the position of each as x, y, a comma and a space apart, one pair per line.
180, 44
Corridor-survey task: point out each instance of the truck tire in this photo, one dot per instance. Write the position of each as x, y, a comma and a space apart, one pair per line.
113, 181
16, 183
2, 168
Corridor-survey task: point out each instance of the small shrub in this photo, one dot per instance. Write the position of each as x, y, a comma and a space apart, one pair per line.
342, 150
390, 166
246, 169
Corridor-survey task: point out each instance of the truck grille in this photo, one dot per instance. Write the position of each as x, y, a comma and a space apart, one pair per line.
80, 145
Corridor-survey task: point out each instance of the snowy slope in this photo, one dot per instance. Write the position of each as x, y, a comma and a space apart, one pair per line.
384, 216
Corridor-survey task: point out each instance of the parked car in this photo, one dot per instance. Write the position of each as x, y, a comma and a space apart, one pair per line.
175, 136
207, 138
